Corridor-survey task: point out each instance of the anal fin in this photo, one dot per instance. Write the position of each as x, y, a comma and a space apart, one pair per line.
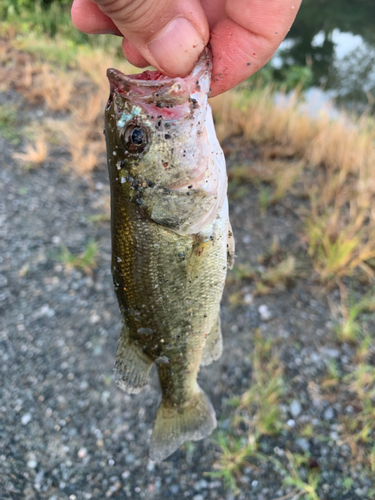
214, 344
174, 425
132, 365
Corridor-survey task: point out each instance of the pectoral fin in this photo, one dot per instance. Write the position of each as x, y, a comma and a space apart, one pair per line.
132, 365
214, 344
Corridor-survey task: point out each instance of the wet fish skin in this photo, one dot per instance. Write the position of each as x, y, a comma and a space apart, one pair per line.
170, 243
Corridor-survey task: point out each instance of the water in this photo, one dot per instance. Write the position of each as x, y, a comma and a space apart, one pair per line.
336, 39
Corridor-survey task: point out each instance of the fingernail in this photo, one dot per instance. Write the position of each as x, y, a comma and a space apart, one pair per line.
106, 32
177, 47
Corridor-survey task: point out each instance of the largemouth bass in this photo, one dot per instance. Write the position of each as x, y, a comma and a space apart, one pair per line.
171, 242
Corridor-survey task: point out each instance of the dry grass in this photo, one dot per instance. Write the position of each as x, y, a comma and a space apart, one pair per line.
79, 93
34, 155
333, 165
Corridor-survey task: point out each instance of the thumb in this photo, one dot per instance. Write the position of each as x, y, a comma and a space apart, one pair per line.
169, 34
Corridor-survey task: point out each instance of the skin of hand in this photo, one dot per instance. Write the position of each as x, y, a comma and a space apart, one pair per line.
170, 34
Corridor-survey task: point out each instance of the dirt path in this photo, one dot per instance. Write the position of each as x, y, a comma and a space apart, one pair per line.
66, 431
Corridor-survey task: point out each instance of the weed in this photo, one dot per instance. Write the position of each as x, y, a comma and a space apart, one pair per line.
300, 475
265, 197
278, 276
257, 409
351, 330
8, 122
333, 378
234, 455
262, 400
35, 154
86, 261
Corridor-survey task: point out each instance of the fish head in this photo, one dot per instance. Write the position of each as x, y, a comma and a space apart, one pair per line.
160, 132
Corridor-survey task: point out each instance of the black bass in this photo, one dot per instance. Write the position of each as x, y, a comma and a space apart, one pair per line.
171, 242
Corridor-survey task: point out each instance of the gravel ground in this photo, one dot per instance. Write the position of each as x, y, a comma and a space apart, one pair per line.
66, 430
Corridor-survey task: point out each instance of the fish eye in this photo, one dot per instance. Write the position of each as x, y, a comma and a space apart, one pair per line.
135, 138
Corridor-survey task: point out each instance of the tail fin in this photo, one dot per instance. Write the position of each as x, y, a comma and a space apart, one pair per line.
132, 365
173, 426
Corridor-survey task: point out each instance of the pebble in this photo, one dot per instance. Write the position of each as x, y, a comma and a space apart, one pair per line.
328, 413
265, 313
295, 408
25, 419
291, 423
303, 443
248, 299
82, 452
32, 463
201, 485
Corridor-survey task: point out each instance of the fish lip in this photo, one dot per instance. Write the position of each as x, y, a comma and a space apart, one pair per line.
144, 87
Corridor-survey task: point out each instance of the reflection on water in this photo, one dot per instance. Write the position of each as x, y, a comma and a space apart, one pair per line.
337, 40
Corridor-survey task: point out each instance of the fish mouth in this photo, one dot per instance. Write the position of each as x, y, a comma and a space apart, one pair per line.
152, 87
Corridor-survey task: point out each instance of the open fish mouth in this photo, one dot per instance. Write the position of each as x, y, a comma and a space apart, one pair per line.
163, 92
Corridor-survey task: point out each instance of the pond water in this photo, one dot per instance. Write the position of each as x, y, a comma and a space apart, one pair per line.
336, 39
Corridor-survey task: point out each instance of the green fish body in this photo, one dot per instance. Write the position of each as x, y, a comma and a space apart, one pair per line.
171, 242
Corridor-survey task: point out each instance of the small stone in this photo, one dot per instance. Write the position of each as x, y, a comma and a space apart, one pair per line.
328, 413
94, 318
248, 299
265, 314
47, 311
303, 443
32, 463
82, 452
25, 419
295, 408
198, 497
200, 485
291, 423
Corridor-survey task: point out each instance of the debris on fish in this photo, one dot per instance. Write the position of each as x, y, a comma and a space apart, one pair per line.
171, 242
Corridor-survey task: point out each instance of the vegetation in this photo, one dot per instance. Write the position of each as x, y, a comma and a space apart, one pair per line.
86, 261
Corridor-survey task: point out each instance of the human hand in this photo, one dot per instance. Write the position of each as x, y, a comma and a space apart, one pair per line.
170, 34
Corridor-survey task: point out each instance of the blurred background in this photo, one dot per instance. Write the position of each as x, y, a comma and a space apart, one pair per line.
294, 390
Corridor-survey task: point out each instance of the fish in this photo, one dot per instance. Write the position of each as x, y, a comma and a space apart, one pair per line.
172, 242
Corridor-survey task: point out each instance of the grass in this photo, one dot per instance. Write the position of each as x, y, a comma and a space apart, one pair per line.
351, 329
276, 272
298, 474
258, 410
35, 154
261, 401
86, 261
8, 122
234, 456
327, 161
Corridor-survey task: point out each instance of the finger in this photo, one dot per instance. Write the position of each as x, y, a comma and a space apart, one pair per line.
87, 17
169, 34
133, 55
246, 41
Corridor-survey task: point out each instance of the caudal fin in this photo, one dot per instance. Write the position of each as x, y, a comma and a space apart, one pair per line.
175, 425
132, 365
